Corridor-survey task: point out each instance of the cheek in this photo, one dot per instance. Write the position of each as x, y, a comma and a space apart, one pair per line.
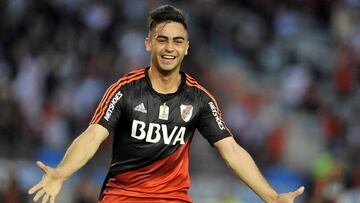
157, 48
154, 50
183, 51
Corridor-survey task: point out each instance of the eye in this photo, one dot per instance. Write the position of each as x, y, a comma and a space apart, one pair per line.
179, 41
161, 40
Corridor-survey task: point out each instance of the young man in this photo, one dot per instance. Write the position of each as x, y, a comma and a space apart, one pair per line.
153, 113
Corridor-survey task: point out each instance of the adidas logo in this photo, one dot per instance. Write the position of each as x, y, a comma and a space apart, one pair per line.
141, 108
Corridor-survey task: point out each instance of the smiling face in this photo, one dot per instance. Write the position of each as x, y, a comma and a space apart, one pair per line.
168, 44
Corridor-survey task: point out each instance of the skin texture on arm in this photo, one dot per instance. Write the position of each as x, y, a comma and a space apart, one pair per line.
82, 149
240, 161
77, 155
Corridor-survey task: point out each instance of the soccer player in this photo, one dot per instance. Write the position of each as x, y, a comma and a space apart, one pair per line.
153, 113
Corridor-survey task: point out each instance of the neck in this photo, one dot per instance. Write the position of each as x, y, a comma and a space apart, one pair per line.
164, 82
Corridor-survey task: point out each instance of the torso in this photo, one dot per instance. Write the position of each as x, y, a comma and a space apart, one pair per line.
152, 134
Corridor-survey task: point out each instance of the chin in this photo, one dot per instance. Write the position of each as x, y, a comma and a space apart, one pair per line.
167, 68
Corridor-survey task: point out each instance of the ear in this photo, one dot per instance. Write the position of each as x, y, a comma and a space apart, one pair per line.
187, 48
148, 44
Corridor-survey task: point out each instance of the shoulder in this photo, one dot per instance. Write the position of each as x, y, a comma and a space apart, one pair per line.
132, 76
198, 88
129, 78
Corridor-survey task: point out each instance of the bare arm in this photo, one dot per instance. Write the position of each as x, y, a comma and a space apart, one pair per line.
77, 155
82, 149
240, 161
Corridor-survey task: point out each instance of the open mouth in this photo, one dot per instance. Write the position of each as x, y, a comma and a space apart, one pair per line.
168, 57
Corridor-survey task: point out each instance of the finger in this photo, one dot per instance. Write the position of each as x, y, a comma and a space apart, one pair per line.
42, 166
45, 198
299, 191
35, 188
38, 195
52, 199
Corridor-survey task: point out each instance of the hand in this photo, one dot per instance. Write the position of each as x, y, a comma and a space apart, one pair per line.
290, 196
49, 186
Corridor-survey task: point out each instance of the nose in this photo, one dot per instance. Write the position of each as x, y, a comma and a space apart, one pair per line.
169, 47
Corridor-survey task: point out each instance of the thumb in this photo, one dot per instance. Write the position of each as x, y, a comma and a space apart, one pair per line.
299, 191
43, 167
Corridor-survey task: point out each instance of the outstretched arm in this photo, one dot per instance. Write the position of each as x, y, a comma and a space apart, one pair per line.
240, 161
77, 155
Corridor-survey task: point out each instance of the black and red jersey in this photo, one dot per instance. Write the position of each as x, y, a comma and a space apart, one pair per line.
152, 133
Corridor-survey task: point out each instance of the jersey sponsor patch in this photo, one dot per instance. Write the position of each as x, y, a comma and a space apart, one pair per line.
186, 112
216, 115
111, 107
156, 132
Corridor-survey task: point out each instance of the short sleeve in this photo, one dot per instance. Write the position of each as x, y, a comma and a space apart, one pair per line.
211, 124
108, 111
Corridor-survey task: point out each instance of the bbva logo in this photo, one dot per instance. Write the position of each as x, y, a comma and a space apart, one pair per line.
157, 132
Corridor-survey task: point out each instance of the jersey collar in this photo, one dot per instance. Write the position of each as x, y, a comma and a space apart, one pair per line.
165, 96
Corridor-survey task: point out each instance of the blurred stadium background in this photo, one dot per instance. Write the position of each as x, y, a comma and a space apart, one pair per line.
285, 72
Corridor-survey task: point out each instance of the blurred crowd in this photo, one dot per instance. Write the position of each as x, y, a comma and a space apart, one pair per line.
286, 74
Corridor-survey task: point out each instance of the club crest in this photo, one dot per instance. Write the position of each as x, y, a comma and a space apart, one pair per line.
186, 112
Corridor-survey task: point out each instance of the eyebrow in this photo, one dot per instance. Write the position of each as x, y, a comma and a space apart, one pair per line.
175, 38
